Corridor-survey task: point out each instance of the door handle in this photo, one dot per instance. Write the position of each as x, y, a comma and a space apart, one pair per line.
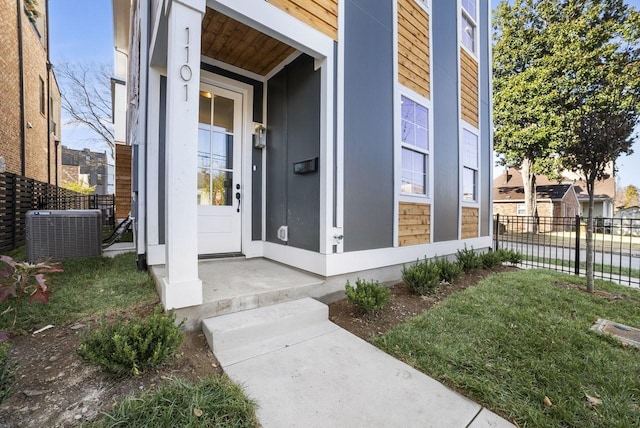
238, 198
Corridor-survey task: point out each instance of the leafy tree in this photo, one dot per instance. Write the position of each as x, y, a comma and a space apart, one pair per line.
79, 187
86, 98
527, 128
596, 55
567, 87
631, 197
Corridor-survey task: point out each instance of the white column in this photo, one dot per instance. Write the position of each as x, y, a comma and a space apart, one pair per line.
182, 287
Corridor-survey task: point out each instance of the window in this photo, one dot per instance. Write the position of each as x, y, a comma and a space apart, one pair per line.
470, 166
521, 209
42, 97
415, 147
99, 179
468, 24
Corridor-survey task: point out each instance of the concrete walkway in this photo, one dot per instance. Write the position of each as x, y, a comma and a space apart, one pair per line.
323, 376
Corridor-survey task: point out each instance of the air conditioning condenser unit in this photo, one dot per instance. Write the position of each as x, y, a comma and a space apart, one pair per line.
63, 234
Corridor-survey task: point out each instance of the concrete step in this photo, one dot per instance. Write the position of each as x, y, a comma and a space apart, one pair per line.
252, 298
238, 336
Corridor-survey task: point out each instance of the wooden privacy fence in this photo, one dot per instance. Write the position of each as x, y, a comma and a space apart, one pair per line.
20, 194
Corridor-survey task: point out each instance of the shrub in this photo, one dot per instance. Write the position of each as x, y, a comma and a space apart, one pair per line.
468, 259
6, 374
367, 296
509, 256
422, 277
490, 259
448, 270
21, 279
128, 347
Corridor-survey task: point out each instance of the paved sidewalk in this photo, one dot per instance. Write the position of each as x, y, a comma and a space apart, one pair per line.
335, 379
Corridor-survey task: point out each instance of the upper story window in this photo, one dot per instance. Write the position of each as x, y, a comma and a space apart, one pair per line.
468, 24
415, 147
42, 97
470, 166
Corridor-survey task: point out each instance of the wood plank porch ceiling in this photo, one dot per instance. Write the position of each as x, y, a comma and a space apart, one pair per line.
227, 40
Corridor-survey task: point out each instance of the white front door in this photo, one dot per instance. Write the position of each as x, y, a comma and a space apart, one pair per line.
219, 174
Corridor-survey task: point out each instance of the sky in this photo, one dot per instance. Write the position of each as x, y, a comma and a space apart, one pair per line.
82, 30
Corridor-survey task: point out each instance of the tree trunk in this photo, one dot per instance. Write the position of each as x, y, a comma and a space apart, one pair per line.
589, 256
529, 187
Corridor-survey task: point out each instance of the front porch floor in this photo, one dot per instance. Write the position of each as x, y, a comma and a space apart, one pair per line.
238, 284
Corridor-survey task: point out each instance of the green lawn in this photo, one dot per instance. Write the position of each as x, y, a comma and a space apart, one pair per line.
88, 287
517, 338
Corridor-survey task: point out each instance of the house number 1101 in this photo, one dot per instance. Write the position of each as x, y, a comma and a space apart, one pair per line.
185, 69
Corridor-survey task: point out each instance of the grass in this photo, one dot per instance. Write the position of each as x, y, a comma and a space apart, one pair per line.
88, 287
517, 338
597, 267
213, 402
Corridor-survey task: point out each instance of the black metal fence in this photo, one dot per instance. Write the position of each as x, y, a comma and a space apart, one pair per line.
559, 243
20, 194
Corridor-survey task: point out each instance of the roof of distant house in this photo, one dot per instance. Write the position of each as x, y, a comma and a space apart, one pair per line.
509, 186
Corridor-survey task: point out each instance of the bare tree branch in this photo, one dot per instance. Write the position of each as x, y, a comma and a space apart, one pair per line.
86, 97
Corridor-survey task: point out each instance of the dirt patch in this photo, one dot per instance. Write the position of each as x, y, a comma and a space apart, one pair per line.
56, 388
611, 297
404, 305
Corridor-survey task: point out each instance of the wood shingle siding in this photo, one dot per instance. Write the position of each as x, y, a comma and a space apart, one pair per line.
469, 92
469, 222
413, 47
414, 224
319, 14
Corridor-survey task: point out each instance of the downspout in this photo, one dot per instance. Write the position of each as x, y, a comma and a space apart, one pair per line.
46, 12
23, 145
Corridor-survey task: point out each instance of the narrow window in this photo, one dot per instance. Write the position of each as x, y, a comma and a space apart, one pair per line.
468, 24
415, 147
42, 97
470, 166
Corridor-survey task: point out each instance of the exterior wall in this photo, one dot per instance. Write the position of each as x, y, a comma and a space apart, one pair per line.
368, 125
469, 88
446, 127
293, 200
570, 206
469, 222
39, 147
10, 83
319, 14
35, 72
414, 224
486, 128
123, 180
413, 48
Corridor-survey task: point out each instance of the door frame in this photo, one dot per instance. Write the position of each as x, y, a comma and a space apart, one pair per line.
247, 247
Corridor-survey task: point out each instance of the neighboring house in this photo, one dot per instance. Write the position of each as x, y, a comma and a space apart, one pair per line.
508, 195
85, 166
30, 98
337, 137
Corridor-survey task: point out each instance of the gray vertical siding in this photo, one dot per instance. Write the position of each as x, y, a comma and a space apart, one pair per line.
486, 161
446, 198
293, 102
368, 125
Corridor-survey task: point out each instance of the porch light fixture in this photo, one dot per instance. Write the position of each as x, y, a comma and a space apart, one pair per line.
206, 94
259, 136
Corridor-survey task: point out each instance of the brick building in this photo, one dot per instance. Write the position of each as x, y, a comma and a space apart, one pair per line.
89, 167
30, 97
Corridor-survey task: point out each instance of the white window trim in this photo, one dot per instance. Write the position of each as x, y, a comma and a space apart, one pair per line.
417, 98
425, 4
466, 126
462, 11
